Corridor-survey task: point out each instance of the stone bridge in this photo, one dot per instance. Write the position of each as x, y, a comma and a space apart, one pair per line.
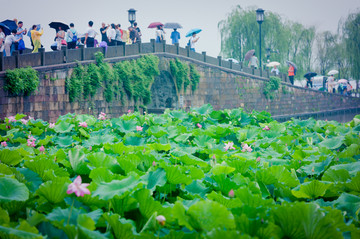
223, 84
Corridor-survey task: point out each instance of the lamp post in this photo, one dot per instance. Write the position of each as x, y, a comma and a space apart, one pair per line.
132, 16
339, 64
260, 19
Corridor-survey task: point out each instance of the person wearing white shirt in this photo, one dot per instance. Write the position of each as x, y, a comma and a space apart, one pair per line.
193, 40
9, 40
90, 35
111, 34
275, 70
2, 39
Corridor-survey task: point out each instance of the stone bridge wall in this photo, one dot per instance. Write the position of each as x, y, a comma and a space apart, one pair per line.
219, 86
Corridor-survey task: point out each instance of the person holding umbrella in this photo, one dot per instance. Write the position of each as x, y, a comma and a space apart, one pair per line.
193, 40
60, 35
35, 37
175, 36
309, 79
160, 34
330, 84
253, 62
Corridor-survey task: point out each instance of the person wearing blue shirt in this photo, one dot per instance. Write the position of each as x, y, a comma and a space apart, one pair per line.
175, 36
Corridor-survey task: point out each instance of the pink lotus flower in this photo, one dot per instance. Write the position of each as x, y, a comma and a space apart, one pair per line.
161, 220
11, 119
78, 188
42, 148
229, 145
90, 147
31, 141
231, 193
258, 159
4, 144
129, 111
102, 116
30, 118
24, 121
246, 148
199, 125
139, 128
154, 163
83, 124
52, 125
267, 128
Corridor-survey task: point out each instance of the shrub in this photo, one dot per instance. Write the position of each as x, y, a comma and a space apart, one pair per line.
22, 81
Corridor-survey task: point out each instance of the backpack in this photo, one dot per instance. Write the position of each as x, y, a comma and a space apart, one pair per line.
188, 44
73, 36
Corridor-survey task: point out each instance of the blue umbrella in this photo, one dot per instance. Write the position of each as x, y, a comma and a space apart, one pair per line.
10, 24
192, 31
5, 29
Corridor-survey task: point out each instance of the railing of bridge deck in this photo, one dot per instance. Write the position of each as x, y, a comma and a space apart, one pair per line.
43, 58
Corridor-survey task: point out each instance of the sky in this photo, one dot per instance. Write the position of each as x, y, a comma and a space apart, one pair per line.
204, 14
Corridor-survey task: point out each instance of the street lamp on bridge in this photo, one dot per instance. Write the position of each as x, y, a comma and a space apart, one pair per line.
260, 19
132, 16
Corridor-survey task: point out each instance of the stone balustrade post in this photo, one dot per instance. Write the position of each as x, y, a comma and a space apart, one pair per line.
241, 65
152, 41
261, 71
140, 47
164, 45
204, 55
65, 53
42, 56
231, 64
252, 70
2, 67
177, 48
188, 51
219, 60
16, 54
82, 52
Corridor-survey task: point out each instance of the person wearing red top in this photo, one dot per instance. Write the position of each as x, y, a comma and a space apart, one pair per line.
291, 74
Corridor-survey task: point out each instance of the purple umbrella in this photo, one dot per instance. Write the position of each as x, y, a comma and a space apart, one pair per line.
155, 24
249, 54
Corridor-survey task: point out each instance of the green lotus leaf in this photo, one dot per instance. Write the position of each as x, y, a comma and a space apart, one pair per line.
77, 158
222, 169
156, 178
134, 141
174, 175
352, 168
178, 114
305, 220
207, 215
311, 190
89, 119
10, 157
333, 143
4, 217
12, 190
124, 203
107, 191
203, 110
64, 141
63, 127
100, 159
91, 234
157, 131
54, 191
99, 140
120, 227
99, 175
354, 184
125, 126
159, 147
203, 140
147, 205
18, 233
351, 151
316, 168
332, 175
197, 188
349, 203
227, 202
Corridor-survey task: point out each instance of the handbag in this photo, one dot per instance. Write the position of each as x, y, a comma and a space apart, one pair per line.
21, 45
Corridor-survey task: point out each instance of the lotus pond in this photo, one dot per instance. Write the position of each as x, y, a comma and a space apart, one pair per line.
198, 174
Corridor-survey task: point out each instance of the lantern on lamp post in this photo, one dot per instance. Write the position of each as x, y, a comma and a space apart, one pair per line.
260, 19
132, 16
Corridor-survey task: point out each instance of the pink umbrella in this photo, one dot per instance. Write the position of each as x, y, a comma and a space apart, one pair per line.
155, 24
344, 81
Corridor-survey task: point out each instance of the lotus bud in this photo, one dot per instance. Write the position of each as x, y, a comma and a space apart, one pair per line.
161, 220
231, 193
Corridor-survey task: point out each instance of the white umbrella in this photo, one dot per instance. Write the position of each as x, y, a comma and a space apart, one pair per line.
332, 72
273, 63
344, 81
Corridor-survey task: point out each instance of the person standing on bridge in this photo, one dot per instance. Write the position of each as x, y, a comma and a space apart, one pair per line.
193, 40
253, 61
71, 37
35, 37
330, 84
175, 36
90, 35
9, 40
291, 73
103, 32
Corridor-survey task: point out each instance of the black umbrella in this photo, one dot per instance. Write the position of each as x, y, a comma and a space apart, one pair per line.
249, 54
293, 64
172, 25
56, 25
5, 29
309, 75
10, 24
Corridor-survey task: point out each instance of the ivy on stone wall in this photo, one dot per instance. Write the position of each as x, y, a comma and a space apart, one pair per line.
22, 81
184, 75
130, 78
271, 87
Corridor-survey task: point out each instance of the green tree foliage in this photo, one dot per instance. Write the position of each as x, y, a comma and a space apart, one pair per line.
22, 81
351, 30
287, 40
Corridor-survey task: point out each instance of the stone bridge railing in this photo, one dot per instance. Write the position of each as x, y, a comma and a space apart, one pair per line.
43, 58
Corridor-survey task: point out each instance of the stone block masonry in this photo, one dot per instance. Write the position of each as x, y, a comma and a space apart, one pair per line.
219, 86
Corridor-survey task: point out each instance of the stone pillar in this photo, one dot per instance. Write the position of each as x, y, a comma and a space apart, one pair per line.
261, 71
267, 73
82, 51
140, 47
231, 64
64, 50
124, 49
204, 55
42, 56
219, 60
152, 41
188, 51
16, 54
252, 70
241, 66
2, 67
164, 46
177, 48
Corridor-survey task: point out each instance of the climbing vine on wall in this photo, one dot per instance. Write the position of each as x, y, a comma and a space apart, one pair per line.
130, 78
22, 81
271, 87
184, 75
